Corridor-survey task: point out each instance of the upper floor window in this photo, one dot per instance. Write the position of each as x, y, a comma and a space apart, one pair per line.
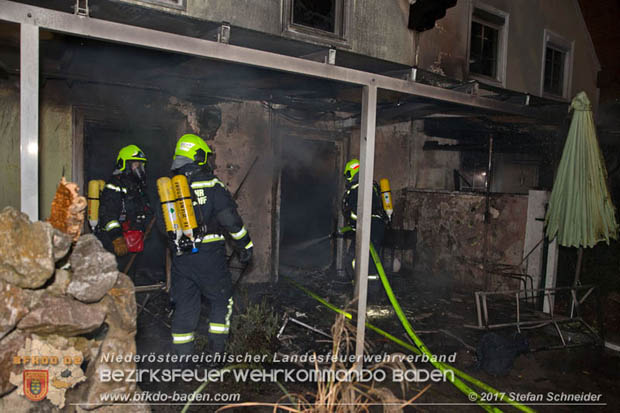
176, 4
557, 66
487, 43
321, 20
316, 14
554, 70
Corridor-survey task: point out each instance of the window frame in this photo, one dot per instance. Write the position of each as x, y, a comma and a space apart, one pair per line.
180, 4
502, 42
306, 33
554, 41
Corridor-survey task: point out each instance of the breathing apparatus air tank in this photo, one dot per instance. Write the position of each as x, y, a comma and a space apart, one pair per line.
167, 199
185, 215
95, 186
386, 197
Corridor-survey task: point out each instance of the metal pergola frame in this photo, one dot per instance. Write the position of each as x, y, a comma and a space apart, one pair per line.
32, 18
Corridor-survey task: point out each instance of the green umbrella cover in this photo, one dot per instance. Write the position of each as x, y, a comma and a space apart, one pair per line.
580, 210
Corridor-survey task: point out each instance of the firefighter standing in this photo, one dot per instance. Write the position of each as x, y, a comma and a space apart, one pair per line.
378, 223
205, 271
124, 204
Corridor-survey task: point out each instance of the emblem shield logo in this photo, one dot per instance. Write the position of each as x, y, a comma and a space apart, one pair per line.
35, 384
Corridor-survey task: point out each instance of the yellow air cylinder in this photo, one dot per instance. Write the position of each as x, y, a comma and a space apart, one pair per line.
386, 197
167, 198
185, 210
94, 190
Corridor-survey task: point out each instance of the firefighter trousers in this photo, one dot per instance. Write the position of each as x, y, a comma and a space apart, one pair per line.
194, 275
377, 232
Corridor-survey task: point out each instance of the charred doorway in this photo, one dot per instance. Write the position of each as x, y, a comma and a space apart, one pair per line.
308, 202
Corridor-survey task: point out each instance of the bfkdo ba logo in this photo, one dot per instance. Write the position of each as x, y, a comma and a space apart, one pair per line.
35, 384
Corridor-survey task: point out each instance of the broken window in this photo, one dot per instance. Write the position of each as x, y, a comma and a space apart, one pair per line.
486, 48
316, 20
556, 65
319, 14
177, 4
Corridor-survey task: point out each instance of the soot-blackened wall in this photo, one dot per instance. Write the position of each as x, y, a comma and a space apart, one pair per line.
451, 232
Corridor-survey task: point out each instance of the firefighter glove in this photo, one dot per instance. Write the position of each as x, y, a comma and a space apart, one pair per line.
172, 245
245, 255
120, 246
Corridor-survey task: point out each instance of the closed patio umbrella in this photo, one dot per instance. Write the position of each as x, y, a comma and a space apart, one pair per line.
581, 212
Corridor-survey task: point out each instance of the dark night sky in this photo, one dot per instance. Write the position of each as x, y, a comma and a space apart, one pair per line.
602, 17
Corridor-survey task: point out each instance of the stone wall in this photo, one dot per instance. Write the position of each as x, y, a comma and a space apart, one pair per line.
63, 301
451, 233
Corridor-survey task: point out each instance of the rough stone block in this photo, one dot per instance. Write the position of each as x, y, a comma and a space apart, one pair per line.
26, 250
9, 346
13, 307
94, 270
62, 315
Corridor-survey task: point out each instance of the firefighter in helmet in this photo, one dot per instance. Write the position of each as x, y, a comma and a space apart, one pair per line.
379, 220
205, 272
124, 206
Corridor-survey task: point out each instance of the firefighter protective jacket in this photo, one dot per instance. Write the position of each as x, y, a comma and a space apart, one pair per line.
215, 210
123, 199
349, 202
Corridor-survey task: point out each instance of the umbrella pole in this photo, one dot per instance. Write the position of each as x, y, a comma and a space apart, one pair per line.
578, 269
574, 304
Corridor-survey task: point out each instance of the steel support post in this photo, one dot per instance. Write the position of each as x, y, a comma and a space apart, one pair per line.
29, 120
364, 211
487, 216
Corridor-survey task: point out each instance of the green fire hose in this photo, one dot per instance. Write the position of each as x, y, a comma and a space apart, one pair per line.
441, 366
421, 348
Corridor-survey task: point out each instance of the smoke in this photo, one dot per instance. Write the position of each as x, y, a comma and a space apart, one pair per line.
131, 95
309, 183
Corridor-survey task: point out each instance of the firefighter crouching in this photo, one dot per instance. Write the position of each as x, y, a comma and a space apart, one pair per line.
124, 208
199, 265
